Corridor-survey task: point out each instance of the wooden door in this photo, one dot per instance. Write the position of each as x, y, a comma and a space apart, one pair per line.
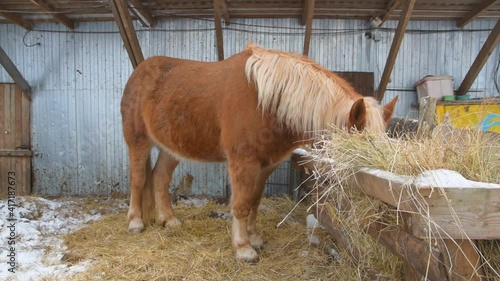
15, 153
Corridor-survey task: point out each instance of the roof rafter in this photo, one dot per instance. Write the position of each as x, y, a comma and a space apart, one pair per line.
17, 20
484, 5
396, 44
309, 12
127, 31
16, 75
218, 30
144, 12
482, 57
224, 11
391, 6
44, 5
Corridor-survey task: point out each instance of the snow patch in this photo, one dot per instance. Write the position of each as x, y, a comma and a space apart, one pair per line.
39, 226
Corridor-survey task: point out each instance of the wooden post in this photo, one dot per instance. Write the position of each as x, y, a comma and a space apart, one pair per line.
427, 113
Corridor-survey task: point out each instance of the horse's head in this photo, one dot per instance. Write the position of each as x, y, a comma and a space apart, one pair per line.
367, 114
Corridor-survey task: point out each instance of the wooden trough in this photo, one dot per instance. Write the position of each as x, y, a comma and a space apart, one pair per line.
460, 214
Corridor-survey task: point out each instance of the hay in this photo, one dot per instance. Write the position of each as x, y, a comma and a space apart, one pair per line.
201, 248
474, 154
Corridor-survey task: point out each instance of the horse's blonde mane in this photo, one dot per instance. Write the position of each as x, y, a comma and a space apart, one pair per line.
304, 96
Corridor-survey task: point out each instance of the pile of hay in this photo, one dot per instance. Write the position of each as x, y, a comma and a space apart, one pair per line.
201, 248
474, 154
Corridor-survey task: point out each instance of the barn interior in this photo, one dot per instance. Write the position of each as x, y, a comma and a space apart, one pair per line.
65, 64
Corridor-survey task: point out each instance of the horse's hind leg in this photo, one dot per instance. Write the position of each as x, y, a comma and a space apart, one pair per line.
243, 181
162, 176
140, 170
255, 239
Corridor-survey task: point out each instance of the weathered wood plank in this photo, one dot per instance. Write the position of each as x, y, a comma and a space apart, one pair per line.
481, 59
12, 70
17, 20
25, 167
389, 10
2, 116
25, 123
475, 210
484, 5
144, 12
413, 251
15, 153
218, 30
21, 166
127, 31
462, 260
8, 117
4, 168
308, 21
17, 115
58, 17
396, 44
475, 213
224, 12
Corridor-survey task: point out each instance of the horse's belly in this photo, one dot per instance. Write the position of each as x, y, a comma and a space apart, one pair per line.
195, 141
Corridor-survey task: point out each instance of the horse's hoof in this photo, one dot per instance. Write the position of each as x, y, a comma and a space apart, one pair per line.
256, 241
135, 226
247, 253
173, 223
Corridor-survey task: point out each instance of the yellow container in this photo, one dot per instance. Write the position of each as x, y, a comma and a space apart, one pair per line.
471, 114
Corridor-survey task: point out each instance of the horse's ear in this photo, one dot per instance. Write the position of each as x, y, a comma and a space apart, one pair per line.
357, 116
389, 109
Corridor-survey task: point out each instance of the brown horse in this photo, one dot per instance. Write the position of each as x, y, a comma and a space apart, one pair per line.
251, 110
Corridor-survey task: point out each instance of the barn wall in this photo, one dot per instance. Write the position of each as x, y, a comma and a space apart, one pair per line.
78, 77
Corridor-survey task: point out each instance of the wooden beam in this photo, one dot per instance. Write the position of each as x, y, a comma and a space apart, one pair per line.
144, 12
396, 43
11, 68
127, 32
485, 52
17, 20
305, 6
391, 6
412, 250
309, 20
57, 17
15, 153
224, 11
462, 258
218, 30
483, 6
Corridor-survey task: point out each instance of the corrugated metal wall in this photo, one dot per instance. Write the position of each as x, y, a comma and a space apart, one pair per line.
78, 77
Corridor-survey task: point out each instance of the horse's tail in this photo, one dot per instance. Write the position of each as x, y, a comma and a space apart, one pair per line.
148, 196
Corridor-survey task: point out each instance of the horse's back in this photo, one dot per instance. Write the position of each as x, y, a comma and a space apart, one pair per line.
178, 103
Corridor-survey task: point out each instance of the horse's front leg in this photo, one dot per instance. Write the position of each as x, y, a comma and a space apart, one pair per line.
255, 239
243, 181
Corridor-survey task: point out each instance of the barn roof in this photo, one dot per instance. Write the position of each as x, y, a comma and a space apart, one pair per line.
68, 12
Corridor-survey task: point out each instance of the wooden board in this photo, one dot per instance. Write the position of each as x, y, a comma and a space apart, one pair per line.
21, 166
476, 213
474, 209
15, 154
